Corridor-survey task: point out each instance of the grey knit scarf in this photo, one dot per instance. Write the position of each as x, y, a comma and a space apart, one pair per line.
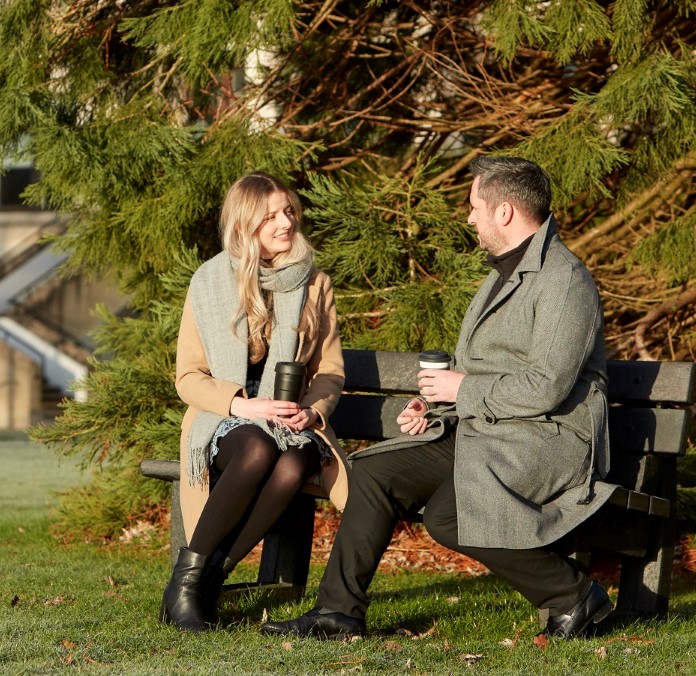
215, 300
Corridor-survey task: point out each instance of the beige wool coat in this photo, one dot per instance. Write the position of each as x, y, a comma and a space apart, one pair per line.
319, 347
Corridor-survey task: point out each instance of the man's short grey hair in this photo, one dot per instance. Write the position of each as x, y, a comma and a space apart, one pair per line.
512, 179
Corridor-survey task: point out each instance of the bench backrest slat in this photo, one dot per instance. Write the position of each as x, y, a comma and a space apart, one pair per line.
653, 381
648, 430
380, 371
632, 429
645, 381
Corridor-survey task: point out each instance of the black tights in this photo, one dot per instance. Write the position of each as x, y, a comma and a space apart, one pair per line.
257, 482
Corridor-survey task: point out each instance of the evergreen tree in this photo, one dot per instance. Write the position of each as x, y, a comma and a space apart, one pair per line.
140, 114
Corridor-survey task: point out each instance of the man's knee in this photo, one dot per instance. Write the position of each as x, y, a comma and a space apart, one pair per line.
441, 527
363, 472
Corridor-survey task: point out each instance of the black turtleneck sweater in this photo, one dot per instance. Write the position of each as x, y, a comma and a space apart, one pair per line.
505, 264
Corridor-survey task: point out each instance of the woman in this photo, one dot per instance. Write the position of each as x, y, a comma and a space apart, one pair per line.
246, 455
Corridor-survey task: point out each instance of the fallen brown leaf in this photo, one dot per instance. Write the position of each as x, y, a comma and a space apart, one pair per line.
55, 601
631, 639
470, 657
423, 634
115, 595
541, 640
601, 652
392, 646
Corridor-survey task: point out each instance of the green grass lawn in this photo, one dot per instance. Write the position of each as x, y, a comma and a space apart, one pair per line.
86, 608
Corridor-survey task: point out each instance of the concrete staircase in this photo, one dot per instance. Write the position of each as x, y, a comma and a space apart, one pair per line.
44, 321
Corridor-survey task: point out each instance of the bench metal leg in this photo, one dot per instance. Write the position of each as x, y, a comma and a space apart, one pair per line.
646, 581
177, 533
287, 548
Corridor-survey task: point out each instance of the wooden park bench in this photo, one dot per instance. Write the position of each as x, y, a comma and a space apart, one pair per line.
648, 425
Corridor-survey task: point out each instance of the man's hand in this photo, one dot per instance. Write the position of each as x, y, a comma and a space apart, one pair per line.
439, 385
263, 407
411, 420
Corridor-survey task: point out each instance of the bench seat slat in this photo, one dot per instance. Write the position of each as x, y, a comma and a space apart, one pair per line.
640, 502
633, 430
165, 470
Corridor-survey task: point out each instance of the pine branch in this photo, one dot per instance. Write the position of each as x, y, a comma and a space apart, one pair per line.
581, 246
684, 299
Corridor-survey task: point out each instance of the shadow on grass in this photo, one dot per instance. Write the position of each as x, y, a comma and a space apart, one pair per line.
444, 599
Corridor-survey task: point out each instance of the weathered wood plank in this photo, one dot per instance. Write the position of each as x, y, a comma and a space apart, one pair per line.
656, 430
646, 381
165, 470
652, 381
632, 430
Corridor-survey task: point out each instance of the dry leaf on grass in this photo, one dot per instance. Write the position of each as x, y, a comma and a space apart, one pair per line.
470, 658
541, 640
55, 601
631, 639
392, 646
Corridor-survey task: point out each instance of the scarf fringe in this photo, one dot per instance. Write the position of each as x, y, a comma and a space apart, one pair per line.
198, 465
282, 434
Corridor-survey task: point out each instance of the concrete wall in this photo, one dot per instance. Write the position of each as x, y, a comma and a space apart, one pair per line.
18, 228
70, 305
20, 388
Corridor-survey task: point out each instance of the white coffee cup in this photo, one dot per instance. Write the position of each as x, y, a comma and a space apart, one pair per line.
434, 359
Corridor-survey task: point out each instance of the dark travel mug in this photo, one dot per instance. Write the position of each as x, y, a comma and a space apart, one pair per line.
289, 380
434, 359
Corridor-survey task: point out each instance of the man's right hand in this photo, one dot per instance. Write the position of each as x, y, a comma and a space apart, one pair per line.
411, 420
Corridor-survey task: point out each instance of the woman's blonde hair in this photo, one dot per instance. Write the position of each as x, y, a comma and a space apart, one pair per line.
243, 212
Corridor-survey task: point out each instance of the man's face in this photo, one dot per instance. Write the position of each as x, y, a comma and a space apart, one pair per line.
491, 236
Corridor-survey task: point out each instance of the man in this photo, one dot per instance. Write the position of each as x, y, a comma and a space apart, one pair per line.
517, 469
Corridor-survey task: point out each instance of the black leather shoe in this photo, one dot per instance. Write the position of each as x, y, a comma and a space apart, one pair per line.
591, 608
320, 625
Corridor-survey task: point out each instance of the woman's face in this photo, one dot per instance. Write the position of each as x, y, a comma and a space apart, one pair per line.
278, 226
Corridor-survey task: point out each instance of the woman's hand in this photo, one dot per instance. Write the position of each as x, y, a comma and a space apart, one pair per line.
304, 419
263, 407
411, 420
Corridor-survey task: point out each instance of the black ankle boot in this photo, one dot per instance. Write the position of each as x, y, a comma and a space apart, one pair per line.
182, 599
214, 576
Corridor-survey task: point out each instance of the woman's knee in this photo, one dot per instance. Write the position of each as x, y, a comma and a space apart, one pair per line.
248, 448
296, 466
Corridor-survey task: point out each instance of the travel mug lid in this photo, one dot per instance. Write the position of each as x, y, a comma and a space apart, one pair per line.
296, 368
434, 356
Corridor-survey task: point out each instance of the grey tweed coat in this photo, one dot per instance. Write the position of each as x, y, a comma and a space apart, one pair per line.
532, 435
531, 442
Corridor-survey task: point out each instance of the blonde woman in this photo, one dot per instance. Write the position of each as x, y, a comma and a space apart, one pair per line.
244, 454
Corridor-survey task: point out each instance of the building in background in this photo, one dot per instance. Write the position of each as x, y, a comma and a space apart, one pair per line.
45, 320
